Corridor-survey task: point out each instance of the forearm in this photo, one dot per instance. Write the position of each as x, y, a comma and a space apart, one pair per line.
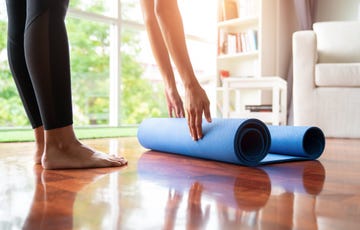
171, 25
161, 56
158, 45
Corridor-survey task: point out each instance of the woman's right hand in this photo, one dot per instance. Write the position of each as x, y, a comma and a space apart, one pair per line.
197, 105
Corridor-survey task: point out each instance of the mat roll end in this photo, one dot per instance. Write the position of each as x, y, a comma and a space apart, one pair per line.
314, 142
252, 142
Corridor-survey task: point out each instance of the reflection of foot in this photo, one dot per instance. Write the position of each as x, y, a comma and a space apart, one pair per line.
55, 194
77, 155
36, 212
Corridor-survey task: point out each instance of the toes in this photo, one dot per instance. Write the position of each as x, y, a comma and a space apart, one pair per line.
120, 160
119, 163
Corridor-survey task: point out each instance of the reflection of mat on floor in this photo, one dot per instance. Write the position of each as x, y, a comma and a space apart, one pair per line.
248, 188
240, 141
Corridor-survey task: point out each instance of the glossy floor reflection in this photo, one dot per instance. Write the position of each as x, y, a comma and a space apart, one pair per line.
163, 191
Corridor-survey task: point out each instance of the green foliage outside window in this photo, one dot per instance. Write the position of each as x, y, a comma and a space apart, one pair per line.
12, 112
89, 50
140, 98
89, 55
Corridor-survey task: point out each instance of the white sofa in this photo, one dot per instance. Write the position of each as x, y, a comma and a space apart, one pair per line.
326, 90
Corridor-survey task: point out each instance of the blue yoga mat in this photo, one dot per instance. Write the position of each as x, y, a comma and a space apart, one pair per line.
247, 142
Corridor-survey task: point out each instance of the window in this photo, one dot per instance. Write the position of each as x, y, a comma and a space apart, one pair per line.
115, 80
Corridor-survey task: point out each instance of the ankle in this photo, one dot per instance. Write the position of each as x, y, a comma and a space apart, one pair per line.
39, 136
60, 138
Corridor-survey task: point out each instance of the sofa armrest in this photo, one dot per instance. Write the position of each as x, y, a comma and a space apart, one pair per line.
304, 59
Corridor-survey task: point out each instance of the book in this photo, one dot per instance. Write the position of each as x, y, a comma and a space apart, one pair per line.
230, 9
259, 108
222, 42
240, 42
248, 8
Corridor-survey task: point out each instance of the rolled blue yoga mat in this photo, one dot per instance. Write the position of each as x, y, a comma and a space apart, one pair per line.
239, 141
295, 143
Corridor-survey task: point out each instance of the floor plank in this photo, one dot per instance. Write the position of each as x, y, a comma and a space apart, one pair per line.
164, 191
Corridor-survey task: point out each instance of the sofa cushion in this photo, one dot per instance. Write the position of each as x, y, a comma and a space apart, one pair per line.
338, 75
338, 41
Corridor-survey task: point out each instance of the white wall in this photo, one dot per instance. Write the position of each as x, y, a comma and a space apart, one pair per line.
338, 10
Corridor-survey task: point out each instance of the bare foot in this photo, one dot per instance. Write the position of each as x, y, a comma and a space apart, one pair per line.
64, 151
78, 156
39, 144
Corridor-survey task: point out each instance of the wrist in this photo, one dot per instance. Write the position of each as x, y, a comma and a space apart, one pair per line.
190, 81
195, 86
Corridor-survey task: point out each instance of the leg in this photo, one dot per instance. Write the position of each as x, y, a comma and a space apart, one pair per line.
16, 24
47, 58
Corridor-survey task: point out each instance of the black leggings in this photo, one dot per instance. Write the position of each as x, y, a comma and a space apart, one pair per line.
38, 54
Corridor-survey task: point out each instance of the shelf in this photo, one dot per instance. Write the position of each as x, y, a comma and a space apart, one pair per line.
250, 60
239, 22
267, 82
253, 54
264, 116
234, 100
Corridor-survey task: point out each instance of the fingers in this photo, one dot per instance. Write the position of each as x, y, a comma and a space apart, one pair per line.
198, 127
177, 112
191, 124
195, 124
207, 113
180, 112
170, 110
194, 119
174, 104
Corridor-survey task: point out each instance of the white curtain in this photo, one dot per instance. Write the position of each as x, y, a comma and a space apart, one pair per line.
305, 12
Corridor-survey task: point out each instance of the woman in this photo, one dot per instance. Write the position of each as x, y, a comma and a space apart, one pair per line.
38, 54
166, 34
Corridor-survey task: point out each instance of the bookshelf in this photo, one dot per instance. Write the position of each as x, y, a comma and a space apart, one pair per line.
247, 48
273, 113
238, 37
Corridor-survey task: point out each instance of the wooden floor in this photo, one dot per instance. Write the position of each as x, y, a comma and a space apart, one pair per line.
162, 191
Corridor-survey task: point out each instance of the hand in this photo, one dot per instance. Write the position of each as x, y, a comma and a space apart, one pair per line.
196, 217
174, 104
172, 206
197, 103
174, 200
